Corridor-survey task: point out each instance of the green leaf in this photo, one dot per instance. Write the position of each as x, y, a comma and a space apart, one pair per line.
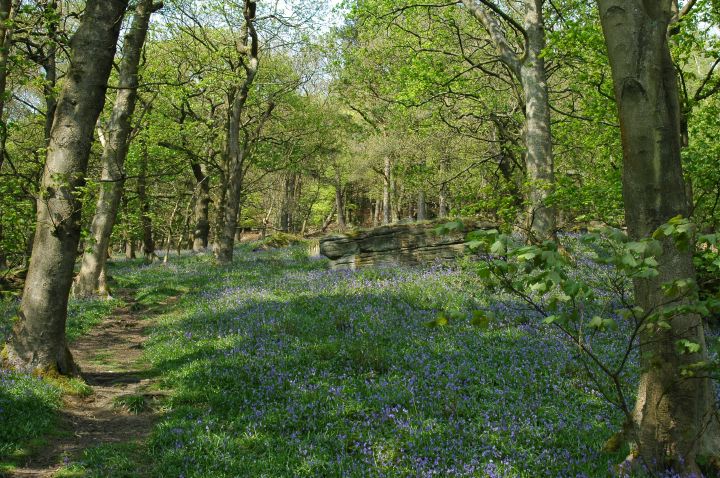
440, 321
475, 245
527, 256
571, 288
687, 346
498, 248
540, 287
481, 319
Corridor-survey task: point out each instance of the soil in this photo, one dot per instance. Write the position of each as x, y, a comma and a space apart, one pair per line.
110, 359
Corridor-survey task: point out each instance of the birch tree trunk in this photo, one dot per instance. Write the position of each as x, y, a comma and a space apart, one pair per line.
37, 342
114, 153
675, 419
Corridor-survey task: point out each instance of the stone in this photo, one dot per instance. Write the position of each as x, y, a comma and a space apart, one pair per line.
395, 244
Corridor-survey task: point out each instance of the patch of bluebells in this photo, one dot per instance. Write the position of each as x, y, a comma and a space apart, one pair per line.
281, 367
28, 406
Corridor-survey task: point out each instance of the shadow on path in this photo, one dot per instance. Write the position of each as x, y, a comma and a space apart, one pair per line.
120, 408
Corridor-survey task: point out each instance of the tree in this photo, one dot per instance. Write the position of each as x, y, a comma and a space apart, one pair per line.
115, 148
529, 69
236, 150
675, 418
38, 338
8, 10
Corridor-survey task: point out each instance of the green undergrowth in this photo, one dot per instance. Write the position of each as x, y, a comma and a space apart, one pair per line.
117, 460
29, 405
279, 367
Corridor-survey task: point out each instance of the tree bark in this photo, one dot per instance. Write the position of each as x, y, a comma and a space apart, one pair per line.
49, 64
675, 417
443, 194
387, 207
538, 139
339, 203
38, 341
287, 210
421, 207
7, 12
114, 153
201, 214
130, 249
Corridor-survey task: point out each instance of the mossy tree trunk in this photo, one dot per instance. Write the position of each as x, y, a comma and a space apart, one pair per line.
87, 282
38, 342
675, 417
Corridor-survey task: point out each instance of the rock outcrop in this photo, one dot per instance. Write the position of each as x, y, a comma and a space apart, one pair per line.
394, 244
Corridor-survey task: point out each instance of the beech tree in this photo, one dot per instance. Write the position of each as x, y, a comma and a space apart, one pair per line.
528, 66
676, 420
236, 150
116, 142
38, 338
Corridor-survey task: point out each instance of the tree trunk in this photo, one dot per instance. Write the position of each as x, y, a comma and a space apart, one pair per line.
114, 153
38, 339
220, 212
201, 209
339, 204
130, 248
235, 154
387, 207
529, 70
49, 64
288, 203
538, 140
443, 194
675, 417
7, 13
236, 160
421, 213
148, 246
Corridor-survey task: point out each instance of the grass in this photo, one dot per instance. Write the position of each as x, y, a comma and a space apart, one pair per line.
280, 367
123, 460
135, 404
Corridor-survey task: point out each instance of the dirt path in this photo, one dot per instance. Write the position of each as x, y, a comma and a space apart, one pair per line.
120, 409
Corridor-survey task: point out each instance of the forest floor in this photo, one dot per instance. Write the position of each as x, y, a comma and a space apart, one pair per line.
118, 405
276, 366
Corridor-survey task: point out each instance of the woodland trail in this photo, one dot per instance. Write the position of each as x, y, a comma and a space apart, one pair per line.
122, 407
